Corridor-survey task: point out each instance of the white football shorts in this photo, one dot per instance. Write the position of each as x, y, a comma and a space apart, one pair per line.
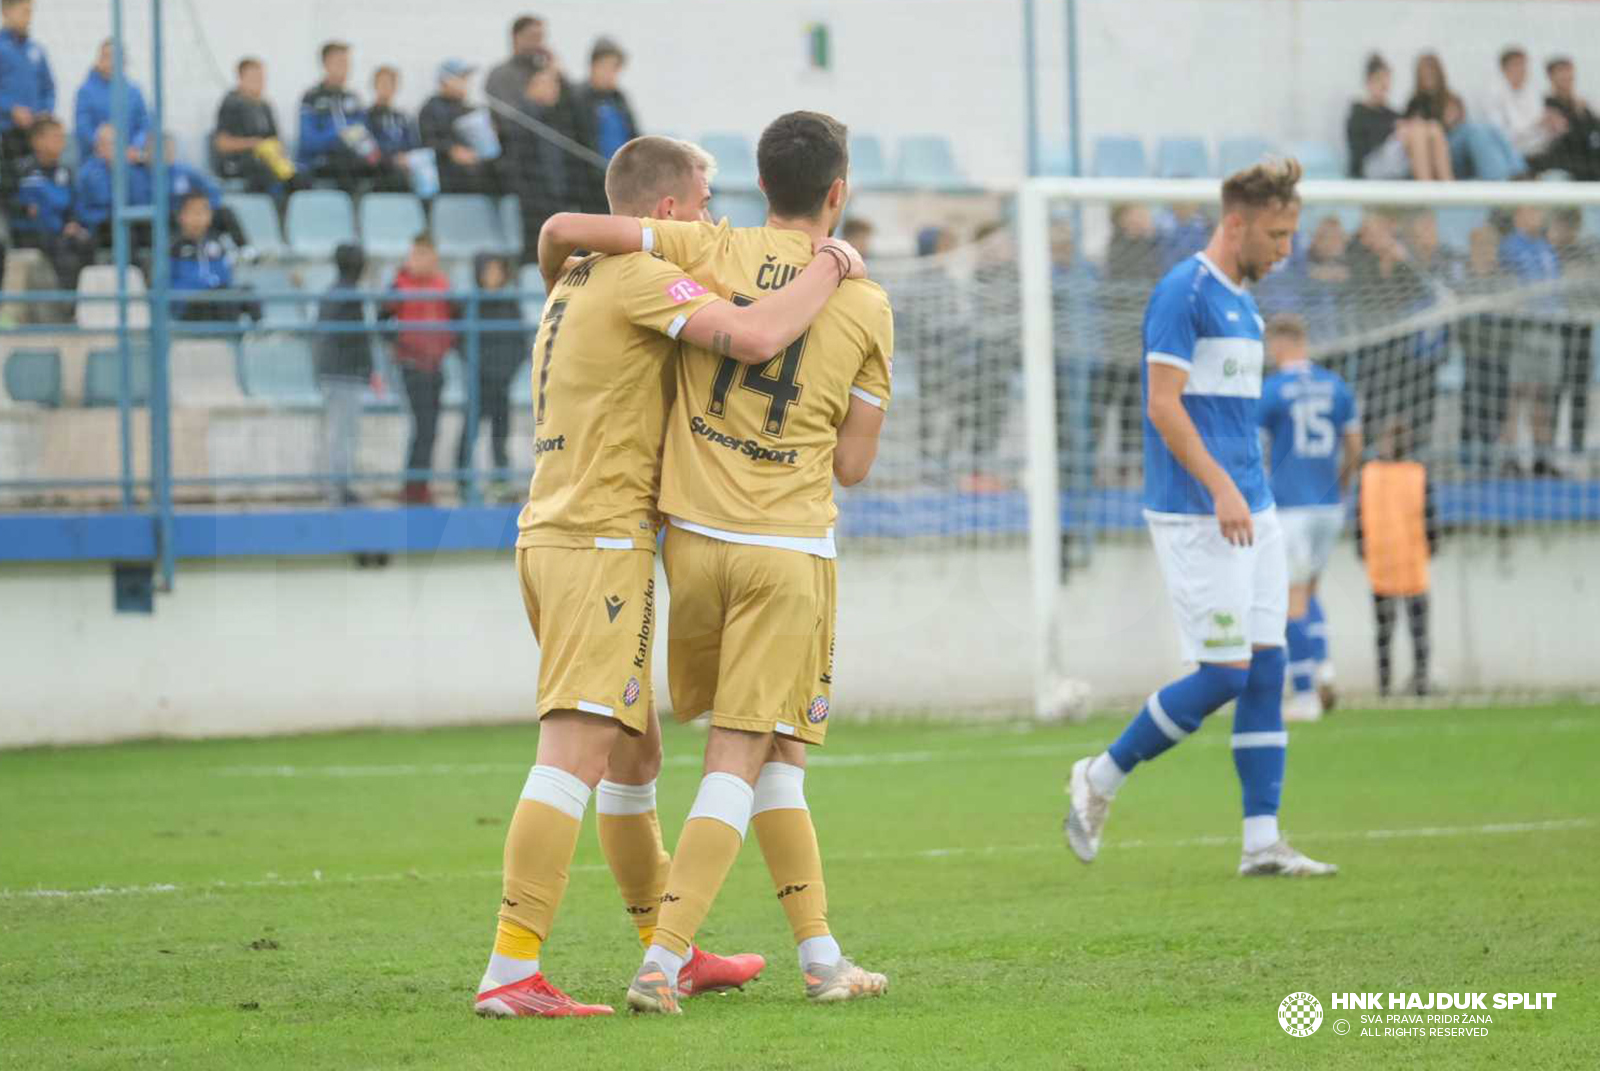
1309, 533
1227, 599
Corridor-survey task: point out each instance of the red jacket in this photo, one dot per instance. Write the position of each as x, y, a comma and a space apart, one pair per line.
422, 348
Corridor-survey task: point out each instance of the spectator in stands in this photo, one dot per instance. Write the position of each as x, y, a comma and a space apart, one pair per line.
1184, 231
508, 81
1383, 145
1485, 340
603, 113
201, 262
1428, 255
335, 143
246, 139
94, 200
500, 353
1079, 334
92, 108
1395, 376
933, 338
391, 128
344, 370
1477, 150
543, 175
461, 169
184, 179
48, 219
1313, 282
1536, 352
858, 232
1133, 264
1397, 534
1577, 150
27, 88
420, 351
1578, 253
1517, 107
984, 393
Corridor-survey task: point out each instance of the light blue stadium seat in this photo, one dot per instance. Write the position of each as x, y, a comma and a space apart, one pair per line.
102, 377
1055, 159
388, 223
1591, 226
466, 224
531, 283
522, 387
1182, 157
510, 209
34, 376
1456, 224
279, 370
1319, 159
928, 161
1118, 157
454, 368
736, 161
869, 170
259, 218
742, 209
1236, 154
318, 221
276, 315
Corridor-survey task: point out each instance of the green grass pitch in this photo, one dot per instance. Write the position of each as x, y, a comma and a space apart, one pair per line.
328, 901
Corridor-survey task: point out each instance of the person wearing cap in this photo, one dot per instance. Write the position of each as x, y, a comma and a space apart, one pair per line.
603, 118
461, 170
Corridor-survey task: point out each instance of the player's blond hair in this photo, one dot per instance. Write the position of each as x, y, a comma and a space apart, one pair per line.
1269, 184
649, 168
1287, 325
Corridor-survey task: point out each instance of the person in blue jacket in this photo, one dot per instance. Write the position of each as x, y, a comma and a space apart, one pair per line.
200, 262
94, 189
184, 179
27, 88
92, 109
46, 206
393, 130
334, 140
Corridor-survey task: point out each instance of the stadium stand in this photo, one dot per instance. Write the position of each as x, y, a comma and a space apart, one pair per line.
1319, 159
869, 169
1118, 157
102, 381
259, 218
465, 225
1236, 154
101, 279
928, 161
1183, 157
388, 223
279, 369
736, 160
317, 221
34, 376
742, 209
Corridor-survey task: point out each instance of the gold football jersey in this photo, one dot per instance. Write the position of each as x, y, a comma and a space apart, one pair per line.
602, 385
750, 447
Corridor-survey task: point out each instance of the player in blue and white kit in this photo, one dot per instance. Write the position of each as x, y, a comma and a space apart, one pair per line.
1309, 415
1212, 520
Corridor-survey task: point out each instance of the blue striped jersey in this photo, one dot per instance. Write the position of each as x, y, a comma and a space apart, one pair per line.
1306, 411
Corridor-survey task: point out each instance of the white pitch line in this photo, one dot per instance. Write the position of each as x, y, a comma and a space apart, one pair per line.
1552, 825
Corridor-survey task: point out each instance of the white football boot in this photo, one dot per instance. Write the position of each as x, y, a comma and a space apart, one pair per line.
1278, 859
1086, 816
1302, 706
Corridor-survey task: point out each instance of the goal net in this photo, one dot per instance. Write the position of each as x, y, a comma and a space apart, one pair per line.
1462, 316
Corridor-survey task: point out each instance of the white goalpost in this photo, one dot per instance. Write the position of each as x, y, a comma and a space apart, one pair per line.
1455, 315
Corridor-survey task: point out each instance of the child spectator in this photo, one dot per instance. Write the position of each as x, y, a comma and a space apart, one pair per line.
391, 128
1486, 339
420, 351
1577, 150
1577, 252
1397, 535
1535, 368
184, 179
461, 169
47, 209
344, 370
201, 262
1385, 146
27, 88
246, 139
94, 187
92, 108
335, 143
500, 353
1518, 109
603, 118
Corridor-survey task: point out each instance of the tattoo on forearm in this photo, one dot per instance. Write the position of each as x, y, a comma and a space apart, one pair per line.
722, 344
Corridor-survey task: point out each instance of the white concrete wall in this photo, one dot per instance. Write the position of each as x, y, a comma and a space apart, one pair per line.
261, 647
1282, 68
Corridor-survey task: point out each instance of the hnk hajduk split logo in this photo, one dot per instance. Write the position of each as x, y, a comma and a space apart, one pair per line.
1300, 1014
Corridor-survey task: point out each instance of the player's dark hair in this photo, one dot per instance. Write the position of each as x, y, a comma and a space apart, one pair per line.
1557, 61
522, 22
649, 168
1269, 184
191, 197
245, 64
7, 5
1375, 64
385, 70
424, 239
1507, 55
331, 47
1286, 325
604, 47
798, 158
41, 125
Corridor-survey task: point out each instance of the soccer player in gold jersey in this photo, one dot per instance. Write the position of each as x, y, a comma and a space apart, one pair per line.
604, 357
752, 451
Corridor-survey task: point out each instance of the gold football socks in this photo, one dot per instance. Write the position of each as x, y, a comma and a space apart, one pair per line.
630, 837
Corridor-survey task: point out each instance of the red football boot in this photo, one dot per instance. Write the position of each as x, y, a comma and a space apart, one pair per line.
707, 972
533, 996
